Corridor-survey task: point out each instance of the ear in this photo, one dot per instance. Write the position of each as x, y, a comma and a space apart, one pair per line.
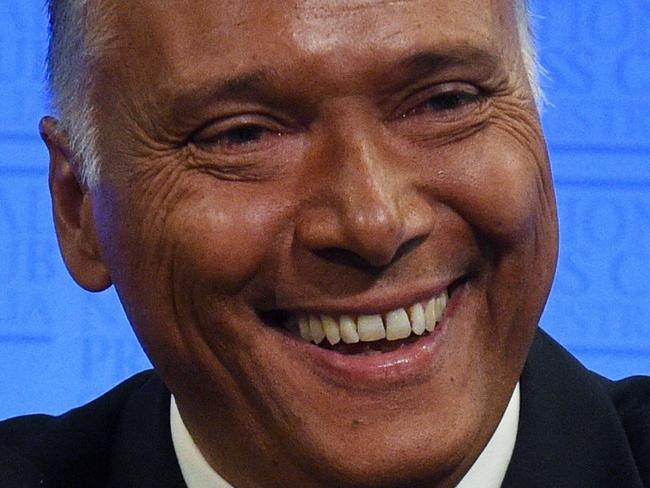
72, 209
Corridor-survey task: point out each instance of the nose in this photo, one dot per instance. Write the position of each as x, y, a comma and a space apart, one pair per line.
366, 208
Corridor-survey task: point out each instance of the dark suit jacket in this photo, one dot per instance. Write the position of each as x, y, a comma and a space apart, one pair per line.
576, 430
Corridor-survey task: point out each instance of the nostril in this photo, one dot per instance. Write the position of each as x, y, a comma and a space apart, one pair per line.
346, 258
408, 247
366, 261
365, 233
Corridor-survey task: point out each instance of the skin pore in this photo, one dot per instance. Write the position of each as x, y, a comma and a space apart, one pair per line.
266, 157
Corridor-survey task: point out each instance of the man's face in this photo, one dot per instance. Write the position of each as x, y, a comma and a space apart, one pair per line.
268, 162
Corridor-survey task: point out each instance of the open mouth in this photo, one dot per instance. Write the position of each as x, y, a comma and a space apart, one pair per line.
368, 333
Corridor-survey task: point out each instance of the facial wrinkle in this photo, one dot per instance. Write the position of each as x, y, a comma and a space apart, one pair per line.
344, 7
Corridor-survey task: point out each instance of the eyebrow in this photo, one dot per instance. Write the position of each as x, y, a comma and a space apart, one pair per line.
257, 82
439, 60
242, 84
239, 86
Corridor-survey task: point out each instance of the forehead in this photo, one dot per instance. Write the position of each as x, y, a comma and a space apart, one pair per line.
182, 40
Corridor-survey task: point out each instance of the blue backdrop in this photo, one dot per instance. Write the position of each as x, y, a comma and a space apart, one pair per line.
61, 346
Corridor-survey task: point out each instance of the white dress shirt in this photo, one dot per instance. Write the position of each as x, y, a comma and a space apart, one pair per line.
487, 471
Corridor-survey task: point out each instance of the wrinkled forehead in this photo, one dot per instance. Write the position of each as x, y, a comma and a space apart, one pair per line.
181, 36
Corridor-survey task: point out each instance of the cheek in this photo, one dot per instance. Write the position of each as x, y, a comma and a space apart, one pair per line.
190, 232
226, 238
504, 193
506, 200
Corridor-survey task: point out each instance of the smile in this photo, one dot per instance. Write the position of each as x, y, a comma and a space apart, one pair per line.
354, 346
370, 332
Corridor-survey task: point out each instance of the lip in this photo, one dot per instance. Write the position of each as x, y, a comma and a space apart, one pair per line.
405, 365
378, 303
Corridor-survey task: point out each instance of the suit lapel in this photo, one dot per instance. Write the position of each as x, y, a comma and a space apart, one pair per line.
569, 431
143, 454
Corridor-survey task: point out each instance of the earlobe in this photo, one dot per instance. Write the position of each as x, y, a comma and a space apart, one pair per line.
72, 211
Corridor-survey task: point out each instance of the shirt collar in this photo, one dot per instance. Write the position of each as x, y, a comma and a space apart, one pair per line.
196, 471
487, 471
490, 468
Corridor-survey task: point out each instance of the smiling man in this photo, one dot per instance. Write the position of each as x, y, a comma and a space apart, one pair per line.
332, 227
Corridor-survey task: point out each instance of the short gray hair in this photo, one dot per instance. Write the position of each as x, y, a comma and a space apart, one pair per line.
79, 31
79, 34
529, 52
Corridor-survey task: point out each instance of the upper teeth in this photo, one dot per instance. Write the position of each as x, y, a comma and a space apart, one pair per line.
396, 324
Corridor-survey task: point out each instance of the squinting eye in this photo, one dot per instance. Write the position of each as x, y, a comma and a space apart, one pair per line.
236, 138
245, 135
450, 101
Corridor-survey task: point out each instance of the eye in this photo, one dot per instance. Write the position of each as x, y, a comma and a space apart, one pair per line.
244, 135
236, 137
450, 101
447, 102
251, 146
